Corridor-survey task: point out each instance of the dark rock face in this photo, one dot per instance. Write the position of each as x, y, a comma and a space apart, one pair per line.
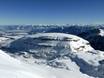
96, 41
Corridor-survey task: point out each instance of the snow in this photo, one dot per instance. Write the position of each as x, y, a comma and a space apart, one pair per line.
101, 32
3, 39
13, 68
90, 58
73, 41
54, 35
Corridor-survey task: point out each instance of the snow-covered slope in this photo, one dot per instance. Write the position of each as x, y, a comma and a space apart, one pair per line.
59, 52
12, 68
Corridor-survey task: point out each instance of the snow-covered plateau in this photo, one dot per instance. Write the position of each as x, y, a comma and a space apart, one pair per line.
50, 55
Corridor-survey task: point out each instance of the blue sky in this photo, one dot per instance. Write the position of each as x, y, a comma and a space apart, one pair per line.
51, 12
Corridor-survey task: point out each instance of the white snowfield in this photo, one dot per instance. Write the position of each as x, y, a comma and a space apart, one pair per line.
12, 68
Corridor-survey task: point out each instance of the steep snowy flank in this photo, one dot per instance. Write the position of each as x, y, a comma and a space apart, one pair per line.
12, 68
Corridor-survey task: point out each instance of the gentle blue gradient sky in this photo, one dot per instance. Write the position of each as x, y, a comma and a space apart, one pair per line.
51, 12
